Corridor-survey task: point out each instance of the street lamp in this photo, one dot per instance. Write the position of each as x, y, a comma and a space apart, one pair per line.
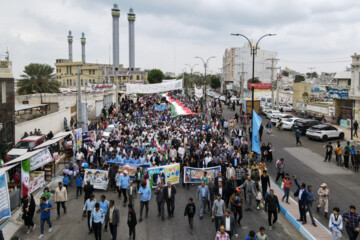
205, 66
191, 70
253, 50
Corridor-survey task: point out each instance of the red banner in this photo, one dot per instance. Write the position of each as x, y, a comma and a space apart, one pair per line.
260, 86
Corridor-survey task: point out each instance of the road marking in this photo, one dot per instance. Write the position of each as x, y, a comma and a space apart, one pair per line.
315, 161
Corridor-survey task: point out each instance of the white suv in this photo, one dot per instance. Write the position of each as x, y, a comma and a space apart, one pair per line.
272, 113
324, 132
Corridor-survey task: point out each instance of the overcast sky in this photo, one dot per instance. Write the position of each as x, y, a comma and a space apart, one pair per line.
321, 33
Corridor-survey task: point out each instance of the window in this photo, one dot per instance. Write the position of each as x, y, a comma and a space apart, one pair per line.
137, 77
86, 82
89, 72
25, 102
82, 82
63, 82
3, 92
94, 72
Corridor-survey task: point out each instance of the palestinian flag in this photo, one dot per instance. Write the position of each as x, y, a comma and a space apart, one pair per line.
157, 143
25, 178
177, 108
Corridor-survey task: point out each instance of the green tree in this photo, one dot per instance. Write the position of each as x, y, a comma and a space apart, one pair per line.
37, 78
285, 73
215, 81
299, 78
155, 76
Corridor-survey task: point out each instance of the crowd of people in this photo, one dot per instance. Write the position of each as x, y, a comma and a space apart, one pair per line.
195, 140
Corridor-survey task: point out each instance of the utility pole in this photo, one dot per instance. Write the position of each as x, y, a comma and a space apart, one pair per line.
242, 77
277, 89
79, 107
273, 68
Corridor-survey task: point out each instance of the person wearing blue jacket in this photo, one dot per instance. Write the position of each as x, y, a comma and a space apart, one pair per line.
303, 197
124, 182
79, 182
145, 193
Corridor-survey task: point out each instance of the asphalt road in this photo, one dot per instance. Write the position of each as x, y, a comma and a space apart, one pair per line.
72, 226
306, 162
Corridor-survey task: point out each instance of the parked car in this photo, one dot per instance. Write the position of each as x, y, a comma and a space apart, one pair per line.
287, 124
23, 146
324, 132
304, 124
108, 131
276, 118
285, 108
272, 113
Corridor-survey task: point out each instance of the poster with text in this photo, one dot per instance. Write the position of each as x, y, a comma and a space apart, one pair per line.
130, 168
40, 159
164, 174
98, 178
194, 175
5, 210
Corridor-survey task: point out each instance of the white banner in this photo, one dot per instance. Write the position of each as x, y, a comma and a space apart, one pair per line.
98, 178
199, 92
37, 180
40, 159
154, 88
5, 211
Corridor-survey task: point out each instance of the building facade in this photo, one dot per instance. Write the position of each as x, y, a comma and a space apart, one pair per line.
7, 104
91, 73
237, 62
355, 85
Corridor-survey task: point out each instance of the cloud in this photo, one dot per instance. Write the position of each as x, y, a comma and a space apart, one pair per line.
170, 34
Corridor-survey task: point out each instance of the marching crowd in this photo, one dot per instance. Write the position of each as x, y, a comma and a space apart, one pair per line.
155, 138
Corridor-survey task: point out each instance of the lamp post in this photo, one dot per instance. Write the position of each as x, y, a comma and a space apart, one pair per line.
191, 70
205, 66
253, 50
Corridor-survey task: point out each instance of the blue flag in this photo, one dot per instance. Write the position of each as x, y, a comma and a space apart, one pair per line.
255, 145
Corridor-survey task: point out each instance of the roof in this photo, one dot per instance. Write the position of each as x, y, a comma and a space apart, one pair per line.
54, 140
32, 138
20, 107
4, 169
343, 75
23, 157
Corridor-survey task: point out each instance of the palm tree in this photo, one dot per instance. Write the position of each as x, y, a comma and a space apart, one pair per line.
37, 78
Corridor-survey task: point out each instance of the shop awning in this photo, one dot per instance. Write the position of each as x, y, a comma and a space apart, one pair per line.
59, 136
23, 157
5, 169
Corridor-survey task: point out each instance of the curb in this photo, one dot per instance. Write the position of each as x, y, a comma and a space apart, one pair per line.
293, 220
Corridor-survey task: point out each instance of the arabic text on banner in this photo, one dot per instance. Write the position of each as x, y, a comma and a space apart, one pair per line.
154, 88
5, 211
194, 175
130, 168
40, 159
98, 178
164, 174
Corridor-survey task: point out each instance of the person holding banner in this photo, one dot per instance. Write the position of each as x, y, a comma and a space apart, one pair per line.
124, 182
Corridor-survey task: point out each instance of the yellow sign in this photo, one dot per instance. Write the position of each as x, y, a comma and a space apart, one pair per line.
172, 173
356, 111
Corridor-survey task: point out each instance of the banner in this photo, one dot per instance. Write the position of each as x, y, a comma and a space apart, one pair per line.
164, 174
89, 137
77, 139
37, 180
194, 175
5, 210
25, 177
159, 108
154, 88
130, 168
199, 92
260, 86
40, 159
255, 145
338, 93
98, 178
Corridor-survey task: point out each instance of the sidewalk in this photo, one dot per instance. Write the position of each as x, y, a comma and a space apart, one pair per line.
347, 132
15, 222
291, 212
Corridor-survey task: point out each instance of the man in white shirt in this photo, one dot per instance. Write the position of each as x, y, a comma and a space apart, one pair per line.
207, 160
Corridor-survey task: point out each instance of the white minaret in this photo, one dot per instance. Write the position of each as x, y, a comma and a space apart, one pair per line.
83, 42
131, 19
70, 41
115, 13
